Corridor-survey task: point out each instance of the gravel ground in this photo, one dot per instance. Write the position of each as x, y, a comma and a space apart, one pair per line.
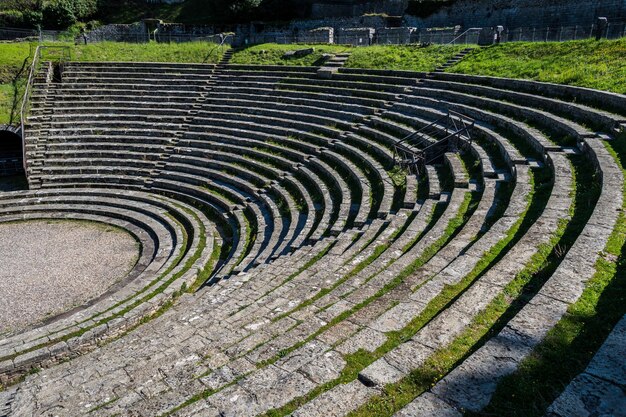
48, 267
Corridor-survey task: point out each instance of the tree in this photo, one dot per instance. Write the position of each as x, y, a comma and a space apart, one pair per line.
59, 14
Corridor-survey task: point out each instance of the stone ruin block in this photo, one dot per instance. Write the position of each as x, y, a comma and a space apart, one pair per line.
356, 36
319, 35
298, 53
394, 36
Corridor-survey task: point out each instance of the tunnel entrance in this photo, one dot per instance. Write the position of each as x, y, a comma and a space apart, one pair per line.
11, 154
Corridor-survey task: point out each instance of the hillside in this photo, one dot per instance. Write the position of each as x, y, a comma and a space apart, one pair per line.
58, 14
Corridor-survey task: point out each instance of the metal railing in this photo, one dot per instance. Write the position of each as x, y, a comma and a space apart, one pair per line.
449, 132
217, 48
471, 33
9, 34
61, 53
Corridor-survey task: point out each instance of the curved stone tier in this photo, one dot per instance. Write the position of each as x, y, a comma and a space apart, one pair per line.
272, 193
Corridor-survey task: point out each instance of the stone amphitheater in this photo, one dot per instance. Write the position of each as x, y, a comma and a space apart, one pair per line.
277, 242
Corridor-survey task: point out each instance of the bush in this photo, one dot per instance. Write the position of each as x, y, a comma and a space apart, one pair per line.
93, 24
11, 18
59, 14
84, 8
33, 18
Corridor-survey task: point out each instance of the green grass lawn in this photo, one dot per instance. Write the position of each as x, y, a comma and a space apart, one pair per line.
272, 54
12, 57
402, 57
411, 58
192, 52
6, 98
588, 63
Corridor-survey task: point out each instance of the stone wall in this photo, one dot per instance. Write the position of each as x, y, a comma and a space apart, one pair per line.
355, 36
179, 32
136, 32
393, 36
319, 35
521, 13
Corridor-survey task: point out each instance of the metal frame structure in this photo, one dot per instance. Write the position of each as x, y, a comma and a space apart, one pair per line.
450, 133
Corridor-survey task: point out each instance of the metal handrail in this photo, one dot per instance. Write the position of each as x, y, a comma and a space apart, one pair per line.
421, 130
453, 124
462, 34
25, 99
220, 45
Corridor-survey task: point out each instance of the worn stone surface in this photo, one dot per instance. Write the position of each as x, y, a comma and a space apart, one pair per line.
380, 373
427, 405
339, 401
366, 339
588, 396
397, 317
610, 361
269, 388
471, 384
324, 368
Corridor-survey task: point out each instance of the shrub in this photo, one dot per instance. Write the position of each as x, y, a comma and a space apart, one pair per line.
33, 18
59, 14
84, 8
11, 18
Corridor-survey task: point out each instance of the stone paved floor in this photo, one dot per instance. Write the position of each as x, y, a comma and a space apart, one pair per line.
49, 267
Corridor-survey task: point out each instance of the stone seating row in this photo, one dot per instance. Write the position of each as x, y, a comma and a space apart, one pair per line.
290, 324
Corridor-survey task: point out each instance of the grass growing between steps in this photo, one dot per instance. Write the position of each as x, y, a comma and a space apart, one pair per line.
587, 63
402, 57
272, 54
571, 344
379, 250
504, 307
359, 360
304, 267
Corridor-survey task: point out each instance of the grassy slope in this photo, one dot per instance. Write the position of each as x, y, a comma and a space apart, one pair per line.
6, 97
377, 57
400, 57
272, 54
152, 52
12, 57
587, 63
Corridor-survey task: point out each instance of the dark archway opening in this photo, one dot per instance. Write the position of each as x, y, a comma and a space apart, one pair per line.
12, 175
